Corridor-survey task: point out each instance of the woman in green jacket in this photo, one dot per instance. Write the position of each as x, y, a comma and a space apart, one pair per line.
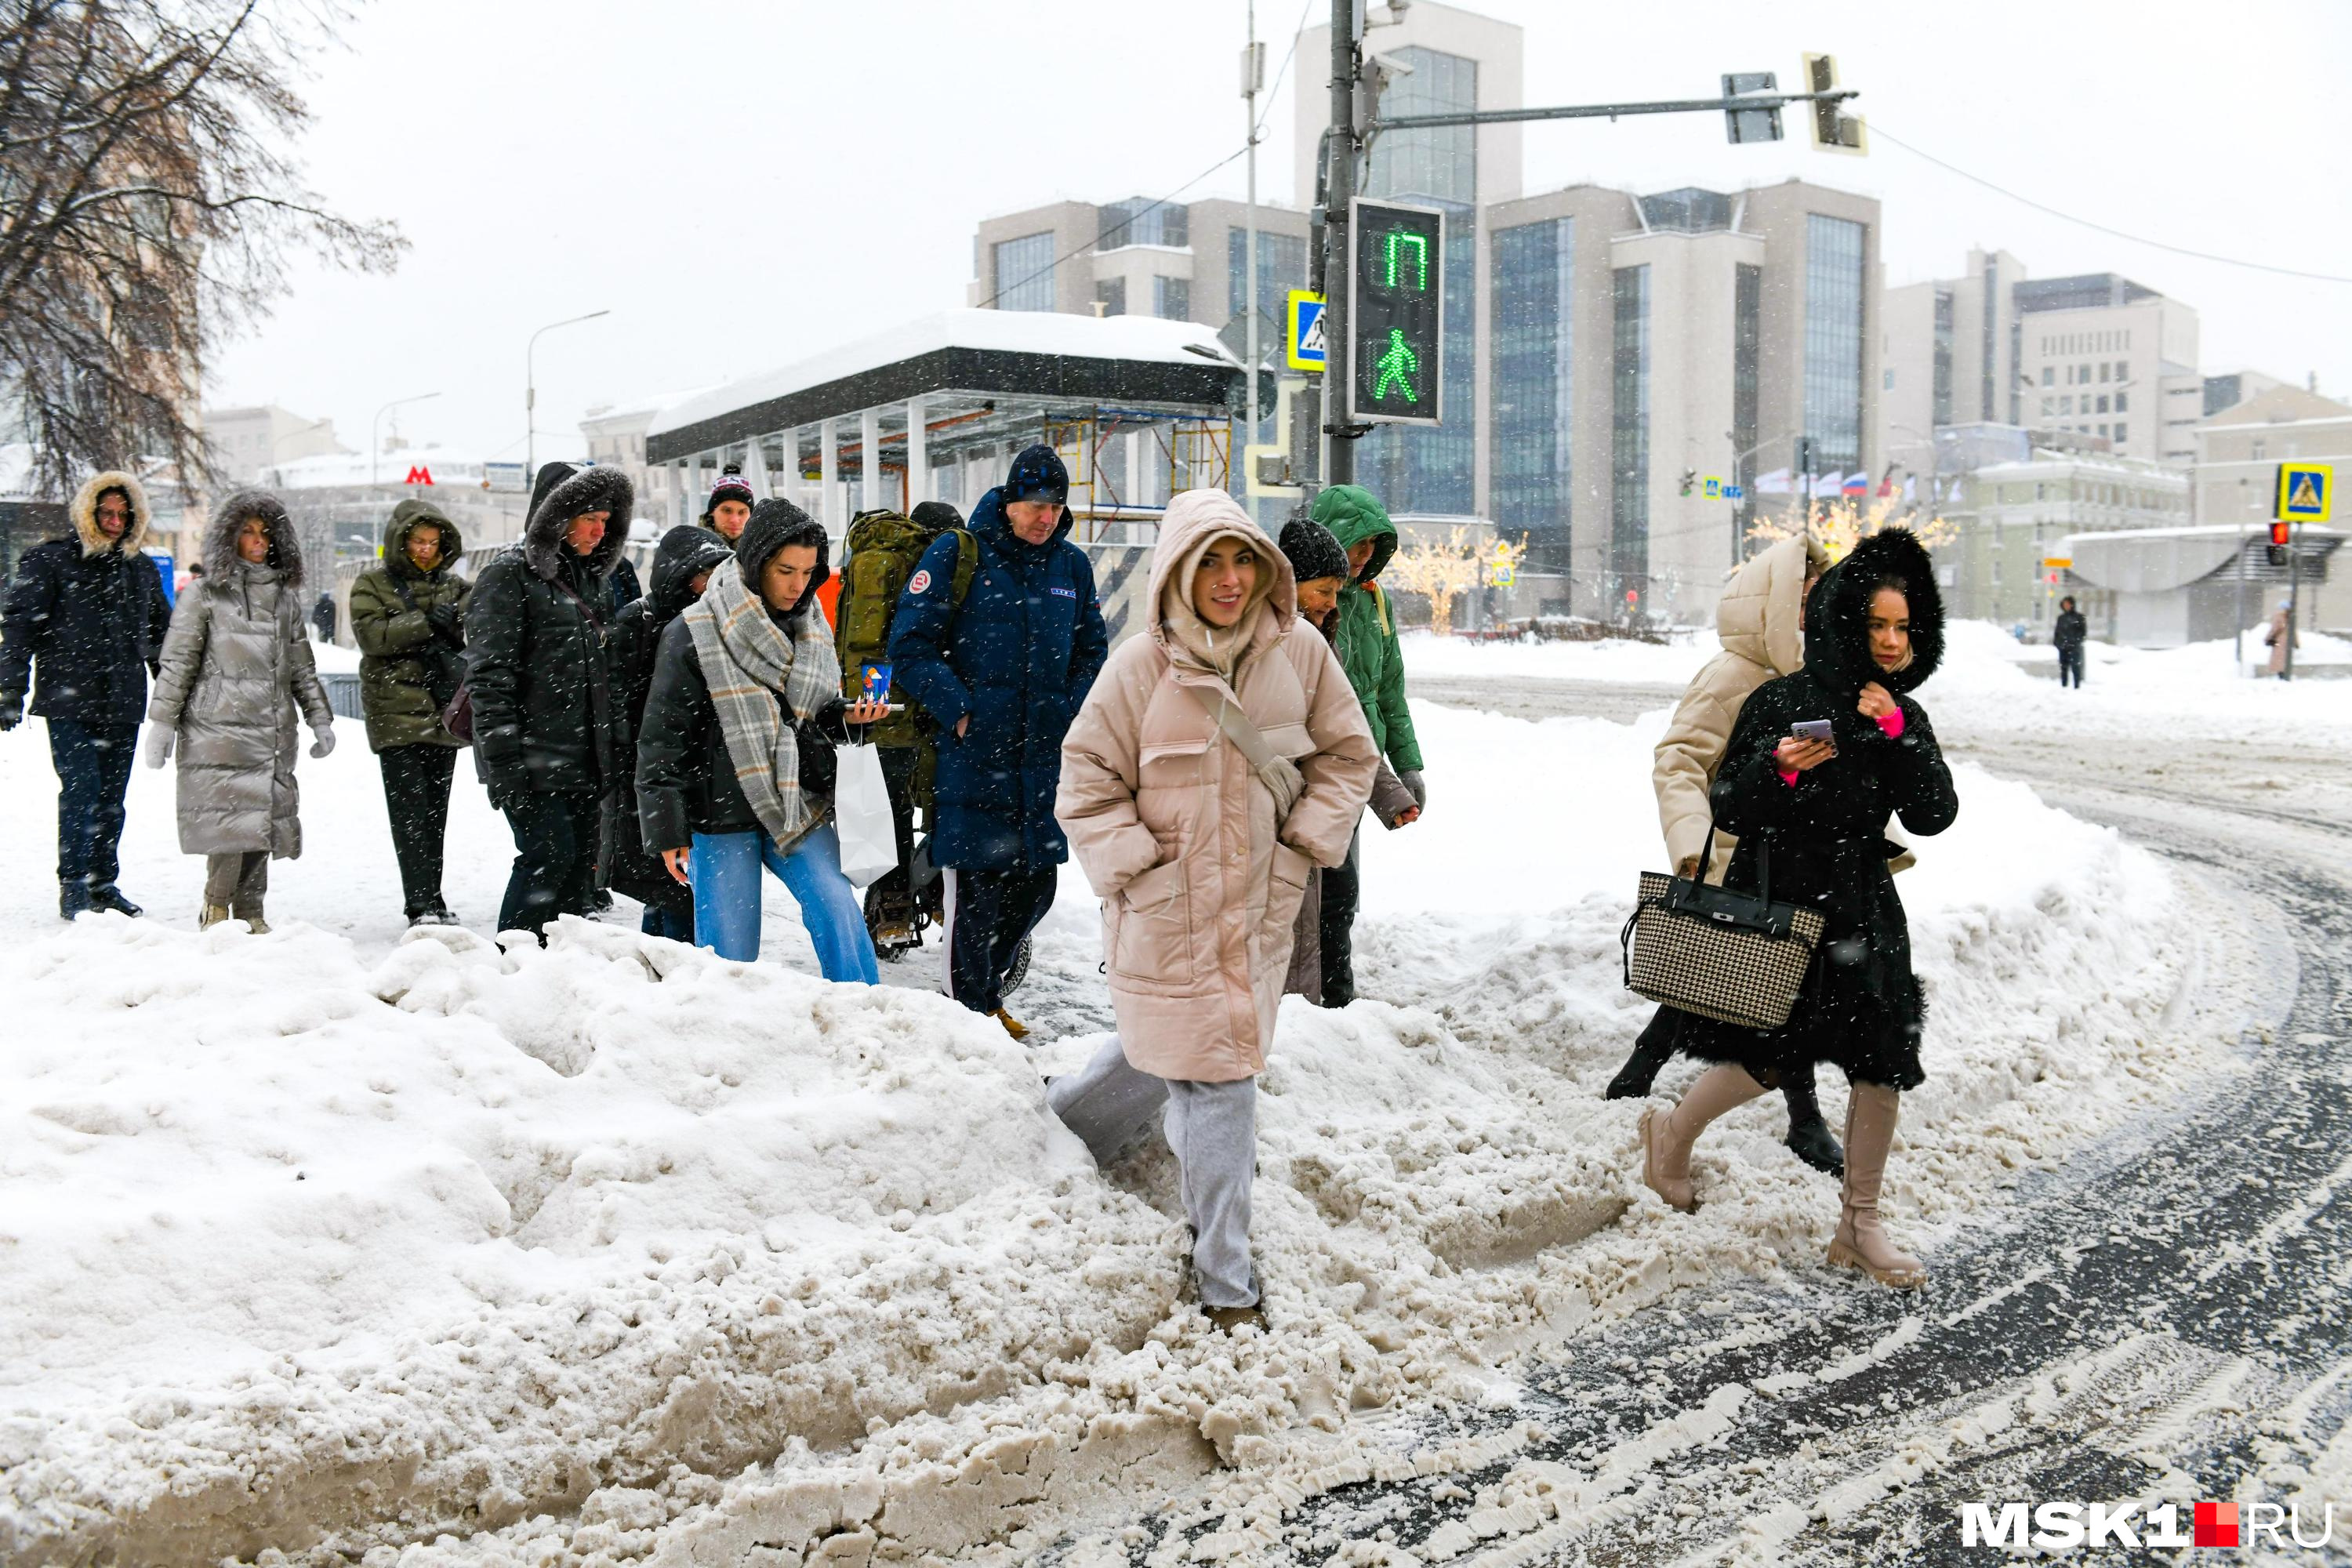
1366, 640
408, 615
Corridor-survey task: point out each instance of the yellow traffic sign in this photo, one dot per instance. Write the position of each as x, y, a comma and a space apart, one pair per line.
2306, 493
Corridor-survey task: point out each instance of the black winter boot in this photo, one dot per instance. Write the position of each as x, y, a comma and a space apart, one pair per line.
1809, 1138
1652, 1050
109, 900
73, 899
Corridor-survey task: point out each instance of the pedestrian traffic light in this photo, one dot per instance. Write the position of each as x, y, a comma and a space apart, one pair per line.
1750, 124
1834, 130
1690, 480
1396, 313
2275, 551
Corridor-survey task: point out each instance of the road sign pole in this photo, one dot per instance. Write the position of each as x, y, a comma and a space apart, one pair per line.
2293, 593
1340, 459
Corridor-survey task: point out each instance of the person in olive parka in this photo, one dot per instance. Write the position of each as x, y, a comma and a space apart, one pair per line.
542, 698
408, 617
682, 566
1821, 807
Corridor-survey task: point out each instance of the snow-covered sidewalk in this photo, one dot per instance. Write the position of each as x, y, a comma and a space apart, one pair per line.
337, 1238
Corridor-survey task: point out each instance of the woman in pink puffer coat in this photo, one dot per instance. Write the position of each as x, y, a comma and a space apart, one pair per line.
1200, 853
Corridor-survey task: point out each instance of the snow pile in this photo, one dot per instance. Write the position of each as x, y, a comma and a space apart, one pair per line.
440, 1254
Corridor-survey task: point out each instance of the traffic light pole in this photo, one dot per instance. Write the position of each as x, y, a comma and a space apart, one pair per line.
1340, 465
1611, 110
2293, 596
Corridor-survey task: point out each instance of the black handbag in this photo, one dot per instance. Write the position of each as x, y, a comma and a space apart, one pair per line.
1737, 958
445, 667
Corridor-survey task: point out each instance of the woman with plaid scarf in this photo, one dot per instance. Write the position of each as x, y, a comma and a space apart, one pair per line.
735, 764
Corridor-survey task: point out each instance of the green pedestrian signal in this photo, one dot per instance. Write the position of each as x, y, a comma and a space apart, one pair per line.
1396, 313
1398, 365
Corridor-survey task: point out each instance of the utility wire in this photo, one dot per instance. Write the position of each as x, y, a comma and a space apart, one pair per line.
1878, 130
1284, 69
1232, 157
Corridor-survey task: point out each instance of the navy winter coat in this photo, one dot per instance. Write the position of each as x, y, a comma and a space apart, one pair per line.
1018, 656
85, 619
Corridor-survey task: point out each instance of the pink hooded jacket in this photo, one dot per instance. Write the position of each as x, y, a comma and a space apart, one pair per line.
1175, 829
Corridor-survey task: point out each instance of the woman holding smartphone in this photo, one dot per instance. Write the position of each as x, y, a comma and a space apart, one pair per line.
1821, 802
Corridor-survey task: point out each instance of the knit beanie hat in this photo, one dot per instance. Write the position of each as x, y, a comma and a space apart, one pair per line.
776, 523
1038, 473
1312, 551
936, 515
731, 486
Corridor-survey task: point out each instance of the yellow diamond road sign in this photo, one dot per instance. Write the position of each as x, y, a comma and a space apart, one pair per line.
2305, 493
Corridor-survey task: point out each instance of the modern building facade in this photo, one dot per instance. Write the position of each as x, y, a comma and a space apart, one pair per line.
1605, 352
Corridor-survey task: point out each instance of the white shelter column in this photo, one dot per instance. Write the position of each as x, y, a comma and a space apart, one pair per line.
828, 471
869, 460
918, 456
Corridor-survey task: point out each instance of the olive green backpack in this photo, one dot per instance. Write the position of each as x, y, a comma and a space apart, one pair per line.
883, 548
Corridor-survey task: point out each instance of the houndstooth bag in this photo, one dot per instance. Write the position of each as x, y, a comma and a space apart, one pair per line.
1737, 958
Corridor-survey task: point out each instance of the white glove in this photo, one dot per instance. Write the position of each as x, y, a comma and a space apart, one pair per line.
322, 740
159, 744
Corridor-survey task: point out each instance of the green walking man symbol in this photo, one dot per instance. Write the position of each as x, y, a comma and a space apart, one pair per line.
1398, 365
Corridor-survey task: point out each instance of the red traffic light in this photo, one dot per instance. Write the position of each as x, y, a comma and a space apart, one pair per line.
2279, 534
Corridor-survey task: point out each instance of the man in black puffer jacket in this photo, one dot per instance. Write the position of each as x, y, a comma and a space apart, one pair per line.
83, 628
683, 563
544, 714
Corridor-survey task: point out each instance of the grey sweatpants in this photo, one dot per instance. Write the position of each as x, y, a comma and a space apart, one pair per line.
1212, 1129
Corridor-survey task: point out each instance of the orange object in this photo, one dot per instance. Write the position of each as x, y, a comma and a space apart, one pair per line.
828, 595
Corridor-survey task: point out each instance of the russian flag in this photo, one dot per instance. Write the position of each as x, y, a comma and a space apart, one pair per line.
1857, 484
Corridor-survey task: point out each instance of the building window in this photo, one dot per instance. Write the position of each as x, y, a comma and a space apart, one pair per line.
1833, 342
2123, 370
1886, 380
1628, 430
1441, 163
2066, 404
1281, 267
1171, 299
1942, 393
2048, 375
2104, 368
1140, 221
1111, 294
2119, 433
2123, 404
1023, 272
1534, 364
2047, 410
2103, 402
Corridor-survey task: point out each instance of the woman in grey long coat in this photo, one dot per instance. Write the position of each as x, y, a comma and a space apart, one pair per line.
237, 667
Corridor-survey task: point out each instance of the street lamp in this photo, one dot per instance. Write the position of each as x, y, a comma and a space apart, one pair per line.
530, 393
375, 446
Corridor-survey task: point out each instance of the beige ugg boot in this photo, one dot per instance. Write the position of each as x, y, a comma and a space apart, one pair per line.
1860, 1243
1667, 1140
210, 916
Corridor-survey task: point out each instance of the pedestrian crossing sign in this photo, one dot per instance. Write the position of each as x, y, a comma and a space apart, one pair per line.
1304, 336
2306, 492
1712, 486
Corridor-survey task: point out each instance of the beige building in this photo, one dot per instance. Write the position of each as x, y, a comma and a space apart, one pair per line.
2237, 454
614, 435
2013, 518
241, 442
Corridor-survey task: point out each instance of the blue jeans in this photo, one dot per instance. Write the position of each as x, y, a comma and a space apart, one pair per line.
725, 869
93, 763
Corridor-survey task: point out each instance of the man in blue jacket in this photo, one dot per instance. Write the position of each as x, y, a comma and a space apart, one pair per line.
1002, 671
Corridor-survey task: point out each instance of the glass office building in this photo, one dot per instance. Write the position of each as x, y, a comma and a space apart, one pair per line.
1531, 401
1833, 341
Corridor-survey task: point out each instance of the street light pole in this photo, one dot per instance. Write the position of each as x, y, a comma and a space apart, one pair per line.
375, 443
1253, 69
530, 393
1340, 467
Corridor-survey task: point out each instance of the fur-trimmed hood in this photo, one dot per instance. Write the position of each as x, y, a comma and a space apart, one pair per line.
561, 493
220, 555
406, 519
1837, 644
85, 514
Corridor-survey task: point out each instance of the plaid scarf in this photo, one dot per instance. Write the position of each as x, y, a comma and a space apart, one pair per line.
747, 662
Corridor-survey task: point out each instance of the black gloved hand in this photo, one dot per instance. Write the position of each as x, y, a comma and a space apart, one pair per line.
445, 623
10, 713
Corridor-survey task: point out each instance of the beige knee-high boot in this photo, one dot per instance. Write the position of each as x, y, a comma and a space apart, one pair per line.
1860, 1243
1667, 1140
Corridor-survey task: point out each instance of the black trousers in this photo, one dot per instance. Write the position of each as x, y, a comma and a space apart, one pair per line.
555, 859
93, 763
890, 891
2070, 666
988, 914
1336, 929
416, 796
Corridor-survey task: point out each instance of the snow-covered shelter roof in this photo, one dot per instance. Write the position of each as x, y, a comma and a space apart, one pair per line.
1128, 360
2158, 560
331, 469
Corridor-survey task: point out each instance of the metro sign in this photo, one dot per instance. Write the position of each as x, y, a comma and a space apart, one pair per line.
419, 474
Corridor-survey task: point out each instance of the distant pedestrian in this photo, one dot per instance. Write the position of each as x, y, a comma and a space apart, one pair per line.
682, 567
1820, 807
83, 628
1000, 671
1366, 638
735, 759
236, 677
323, 615
2068, 634
542, 697
729, 506
408, 617
2281, 637
1220, 758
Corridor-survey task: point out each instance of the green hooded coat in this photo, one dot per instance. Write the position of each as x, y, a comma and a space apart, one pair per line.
1366, 636
394, 638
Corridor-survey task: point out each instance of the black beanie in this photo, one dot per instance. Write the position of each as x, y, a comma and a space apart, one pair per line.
776, 523
1313, 551
936, 515
1038, 471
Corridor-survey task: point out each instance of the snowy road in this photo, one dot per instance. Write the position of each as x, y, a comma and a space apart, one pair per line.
2168, 1315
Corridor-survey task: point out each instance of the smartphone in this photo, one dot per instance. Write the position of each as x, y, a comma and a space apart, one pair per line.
1813, 730
876, 683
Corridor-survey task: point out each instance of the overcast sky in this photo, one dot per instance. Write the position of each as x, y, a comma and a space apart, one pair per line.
744, 184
